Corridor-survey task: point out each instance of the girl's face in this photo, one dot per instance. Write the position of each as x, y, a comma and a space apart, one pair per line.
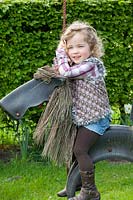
77, 48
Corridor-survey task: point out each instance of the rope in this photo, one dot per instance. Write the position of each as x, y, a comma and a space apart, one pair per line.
64, 15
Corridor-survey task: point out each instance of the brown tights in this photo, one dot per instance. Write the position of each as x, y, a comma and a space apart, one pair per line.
84, 141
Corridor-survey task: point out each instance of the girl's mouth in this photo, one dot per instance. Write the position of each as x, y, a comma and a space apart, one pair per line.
77, 58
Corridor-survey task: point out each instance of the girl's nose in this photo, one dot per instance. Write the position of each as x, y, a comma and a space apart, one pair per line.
75, 50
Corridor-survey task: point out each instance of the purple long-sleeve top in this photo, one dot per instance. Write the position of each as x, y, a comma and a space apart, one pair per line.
90, 67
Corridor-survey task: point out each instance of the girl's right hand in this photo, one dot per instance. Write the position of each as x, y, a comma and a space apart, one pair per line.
61, 53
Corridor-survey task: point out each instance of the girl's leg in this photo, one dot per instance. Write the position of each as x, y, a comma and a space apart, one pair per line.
84, 141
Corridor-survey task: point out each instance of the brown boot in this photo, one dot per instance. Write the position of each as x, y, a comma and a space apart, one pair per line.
88, 190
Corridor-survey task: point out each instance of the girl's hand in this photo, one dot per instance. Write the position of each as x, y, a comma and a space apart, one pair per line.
62, 44
56, 69
61, 53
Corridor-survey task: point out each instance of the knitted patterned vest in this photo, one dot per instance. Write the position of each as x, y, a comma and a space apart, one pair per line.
90, 101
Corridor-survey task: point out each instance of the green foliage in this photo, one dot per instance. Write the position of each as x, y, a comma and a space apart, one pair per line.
30, 30
38, 181
28, 41
118, 118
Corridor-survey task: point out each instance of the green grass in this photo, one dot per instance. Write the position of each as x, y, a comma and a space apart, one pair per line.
40, 181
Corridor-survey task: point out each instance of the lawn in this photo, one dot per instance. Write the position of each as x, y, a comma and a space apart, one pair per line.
41, 181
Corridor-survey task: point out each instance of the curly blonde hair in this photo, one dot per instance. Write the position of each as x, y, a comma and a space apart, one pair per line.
90, 36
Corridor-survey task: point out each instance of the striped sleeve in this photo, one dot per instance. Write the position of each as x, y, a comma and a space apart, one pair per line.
85, 67
76, 70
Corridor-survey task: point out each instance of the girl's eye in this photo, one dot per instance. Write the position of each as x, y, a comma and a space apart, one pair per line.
69, 47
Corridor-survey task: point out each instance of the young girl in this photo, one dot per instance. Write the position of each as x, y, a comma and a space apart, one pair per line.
78, 58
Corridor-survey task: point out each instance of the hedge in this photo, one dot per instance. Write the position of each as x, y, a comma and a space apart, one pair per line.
30, 31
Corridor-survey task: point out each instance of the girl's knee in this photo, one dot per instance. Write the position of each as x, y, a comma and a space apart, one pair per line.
78, 152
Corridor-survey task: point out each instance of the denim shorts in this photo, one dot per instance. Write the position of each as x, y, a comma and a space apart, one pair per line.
100, 126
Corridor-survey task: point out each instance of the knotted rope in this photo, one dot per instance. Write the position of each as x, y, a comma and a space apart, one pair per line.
64, 16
